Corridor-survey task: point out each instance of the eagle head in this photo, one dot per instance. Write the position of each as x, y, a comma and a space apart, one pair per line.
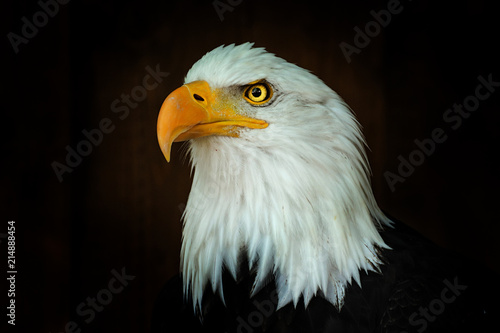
280, 174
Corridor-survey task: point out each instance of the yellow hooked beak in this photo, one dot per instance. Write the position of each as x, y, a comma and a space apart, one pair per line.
195, 110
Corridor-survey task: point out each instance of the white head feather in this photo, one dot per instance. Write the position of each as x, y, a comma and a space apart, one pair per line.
295, 196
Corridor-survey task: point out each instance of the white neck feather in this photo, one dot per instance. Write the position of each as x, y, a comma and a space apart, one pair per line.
302, 210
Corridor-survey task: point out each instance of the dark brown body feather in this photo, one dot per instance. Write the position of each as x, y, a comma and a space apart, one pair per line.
420, 288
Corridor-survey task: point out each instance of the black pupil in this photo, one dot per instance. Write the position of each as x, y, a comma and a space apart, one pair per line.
256, 92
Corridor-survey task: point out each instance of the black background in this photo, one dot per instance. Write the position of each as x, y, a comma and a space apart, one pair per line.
121, 206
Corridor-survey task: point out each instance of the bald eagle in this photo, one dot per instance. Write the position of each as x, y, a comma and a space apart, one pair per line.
281, 229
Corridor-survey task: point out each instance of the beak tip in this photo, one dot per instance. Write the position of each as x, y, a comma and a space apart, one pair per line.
165, 149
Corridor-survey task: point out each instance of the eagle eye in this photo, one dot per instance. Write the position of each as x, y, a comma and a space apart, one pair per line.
258, 93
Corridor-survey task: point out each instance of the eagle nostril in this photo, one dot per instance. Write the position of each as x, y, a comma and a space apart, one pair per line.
198, 98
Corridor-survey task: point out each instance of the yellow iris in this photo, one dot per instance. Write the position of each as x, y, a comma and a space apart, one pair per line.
258, 93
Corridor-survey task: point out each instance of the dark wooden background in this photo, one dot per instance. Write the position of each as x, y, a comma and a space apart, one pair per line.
121, 206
